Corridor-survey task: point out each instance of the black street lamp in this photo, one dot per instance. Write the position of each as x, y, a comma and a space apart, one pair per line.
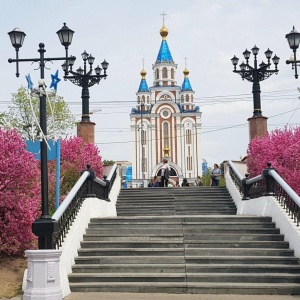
84, 79
45, 226
293, 39
256, 74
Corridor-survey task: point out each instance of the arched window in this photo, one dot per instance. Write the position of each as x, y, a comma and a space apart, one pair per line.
188, 136
182, 99
144, 137
172, 73
157, 74
187, 98
139, 99
166, 134
164, 72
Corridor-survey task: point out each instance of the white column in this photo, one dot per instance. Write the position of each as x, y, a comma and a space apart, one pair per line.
43, 280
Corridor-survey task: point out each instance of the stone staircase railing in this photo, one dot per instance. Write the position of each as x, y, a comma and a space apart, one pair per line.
266, 204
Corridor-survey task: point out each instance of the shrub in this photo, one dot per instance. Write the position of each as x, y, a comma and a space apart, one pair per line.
75, 155
281, 147
19, 193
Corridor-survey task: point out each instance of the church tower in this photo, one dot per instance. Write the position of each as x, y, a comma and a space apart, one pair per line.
165, 123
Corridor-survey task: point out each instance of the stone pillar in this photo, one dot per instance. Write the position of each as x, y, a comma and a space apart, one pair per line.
86, 130
257, 127
43, 280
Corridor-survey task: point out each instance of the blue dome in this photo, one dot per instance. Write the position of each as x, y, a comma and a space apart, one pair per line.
143, 86
186, 86
164, 54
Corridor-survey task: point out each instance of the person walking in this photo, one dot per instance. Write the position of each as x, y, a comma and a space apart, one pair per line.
165, 173
215, 175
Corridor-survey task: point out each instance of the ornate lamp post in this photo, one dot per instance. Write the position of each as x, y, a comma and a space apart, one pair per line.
293, 39
85, 79
256, 74
45, 226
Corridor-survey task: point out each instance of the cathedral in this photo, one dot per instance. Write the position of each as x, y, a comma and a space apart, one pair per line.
165, 123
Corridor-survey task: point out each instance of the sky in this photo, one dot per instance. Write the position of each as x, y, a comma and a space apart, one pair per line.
124, 32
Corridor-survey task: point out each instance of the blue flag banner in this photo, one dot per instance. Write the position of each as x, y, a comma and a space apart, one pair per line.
35, 146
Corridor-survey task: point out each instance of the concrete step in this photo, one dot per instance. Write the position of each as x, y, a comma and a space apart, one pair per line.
130, 259
240, 260
133, 238
242, 268
127, 268
233, 237
182, 277
163, 243
128, 277
190, 288
189, 268
245, 252
131, 251
132, 245
188, 219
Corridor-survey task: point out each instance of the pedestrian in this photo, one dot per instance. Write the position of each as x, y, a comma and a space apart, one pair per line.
155, 182
185, 182
198, 181
215, 175
165, 173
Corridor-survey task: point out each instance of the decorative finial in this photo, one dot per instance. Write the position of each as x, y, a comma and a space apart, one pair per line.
185, 59
163, 14
186, 71
143, 61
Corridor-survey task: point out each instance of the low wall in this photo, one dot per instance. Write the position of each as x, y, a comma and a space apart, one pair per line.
266, 206
91, 208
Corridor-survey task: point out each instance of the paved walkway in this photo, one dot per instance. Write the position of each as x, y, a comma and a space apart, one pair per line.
135, 296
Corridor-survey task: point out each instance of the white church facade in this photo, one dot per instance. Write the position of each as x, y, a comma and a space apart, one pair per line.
165, 123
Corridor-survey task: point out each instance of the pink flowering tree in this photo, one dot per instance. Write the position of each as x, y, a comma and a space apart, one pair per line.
282, 149
75, 155
19, 194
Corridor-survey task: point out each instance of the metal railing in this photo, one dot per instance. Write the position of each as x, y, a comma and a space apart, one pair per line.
269, 183
87, 186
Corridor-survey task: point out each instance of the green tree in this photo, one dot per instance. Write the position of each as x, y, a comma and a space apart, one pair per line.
108, 162
25, 112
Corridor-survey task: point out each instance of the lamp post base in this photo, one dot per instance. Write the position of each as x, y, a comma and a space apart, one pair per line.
257, 127
86, 130
43, 280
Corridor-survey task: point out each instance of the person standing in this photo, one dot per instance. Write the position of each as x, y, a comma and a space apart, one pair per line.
165, 173
155, 182
215, 175
185, 182
198, 181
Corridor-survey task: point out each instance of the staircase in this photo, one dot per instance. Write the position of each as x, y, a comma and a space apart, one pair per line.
184, 240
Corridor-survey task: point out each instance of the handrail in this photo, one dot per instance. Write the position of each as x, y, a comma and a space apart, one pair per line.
254, 179
235, 170
285, 186
269, 183
87, 186
98, 180
112, 172
62, 208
